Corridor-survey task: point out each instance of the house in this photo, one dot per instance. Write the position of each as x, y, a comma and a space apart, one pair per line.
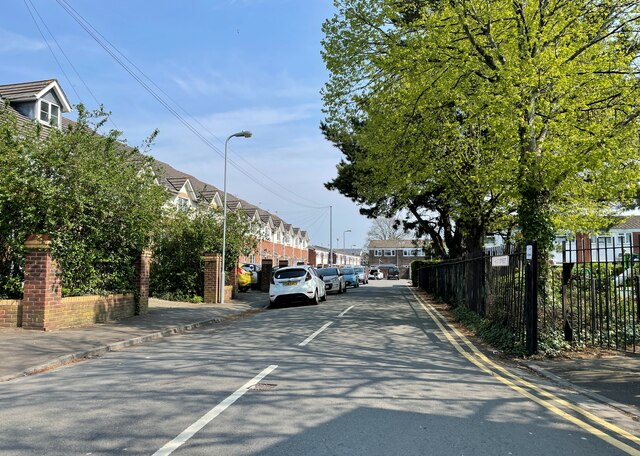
398, 252
40, 101
45, 102
320, 257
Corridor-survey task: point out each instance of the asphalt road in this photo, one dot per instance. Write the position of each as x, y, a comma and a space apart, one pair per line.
369, 372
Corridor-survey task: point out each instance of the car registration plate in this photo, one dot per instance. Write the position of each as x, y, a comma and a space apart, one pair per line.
288, 284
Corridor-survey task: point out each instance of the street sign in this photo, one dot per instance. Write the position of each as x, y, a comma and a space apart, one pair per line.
498, 261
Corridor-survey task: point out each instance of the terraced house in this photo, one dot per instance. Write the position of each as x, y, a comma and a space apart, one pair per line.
45, 102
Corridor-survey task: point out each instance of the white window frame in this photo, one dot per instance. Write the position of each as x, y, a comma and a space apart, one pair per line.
377, 252
391, 253
182, 203
48, 105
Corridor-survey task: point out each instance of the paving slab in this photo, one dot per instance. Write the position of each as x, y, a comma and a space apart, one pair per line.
26, 352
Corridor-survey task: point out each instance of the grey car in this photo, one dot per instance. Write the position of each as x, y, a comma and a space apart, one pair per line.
333, 279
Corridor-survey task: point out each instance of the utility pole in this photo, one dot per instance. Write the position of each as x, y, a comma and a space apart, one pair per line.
330, 235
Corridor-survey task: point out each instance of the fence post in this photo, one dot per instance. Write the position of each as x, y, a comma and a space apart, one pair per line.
531, 297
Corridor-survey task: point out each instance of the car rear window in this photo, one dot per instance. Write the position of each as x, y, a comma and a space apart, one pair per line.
290, 273
328, 271
347, 271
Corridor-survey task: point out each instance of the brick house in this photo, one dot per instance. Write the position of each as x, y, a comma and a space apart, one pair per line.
397, 252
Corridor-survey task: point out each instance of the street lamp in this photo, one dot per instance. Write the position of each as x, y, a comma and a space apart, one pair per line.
240, 134
344, 234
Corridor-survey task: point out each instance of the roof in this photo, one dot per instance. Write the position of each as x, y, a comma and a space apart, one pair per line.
28, 91
629, 223
396, 243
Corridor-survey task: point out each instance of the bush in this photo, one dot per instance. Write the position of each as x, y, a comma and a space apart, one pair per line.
96, 198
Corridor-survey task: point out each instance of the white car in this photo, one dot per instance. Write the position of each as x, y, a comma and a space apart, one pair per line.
297, 283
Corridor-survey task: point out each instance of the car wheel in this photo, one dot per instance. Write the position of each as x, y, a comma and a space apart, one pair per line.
314, 301
345, 287
339, 289
324, 297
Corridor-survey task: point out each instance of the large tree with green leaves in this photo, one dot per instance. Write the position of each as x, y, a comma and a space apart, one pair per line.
96, 197
484, 113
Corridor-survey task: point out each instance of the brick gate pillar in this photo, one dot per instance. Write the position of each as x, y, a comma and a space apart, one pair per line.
265, 274
212, 269
42, 287
233, 281
142, 270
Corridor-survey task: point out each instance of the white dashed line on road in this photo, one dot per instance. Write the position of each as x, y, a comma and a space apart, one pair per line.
342, 314
312, 336
211, 414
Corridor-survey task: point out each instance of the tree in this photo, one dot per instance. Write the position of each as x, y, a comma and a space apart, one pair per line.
96, 197
488, 113
385, 228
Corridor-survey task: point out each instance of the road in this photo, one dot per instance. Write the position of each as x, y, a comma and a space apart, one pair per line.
370, 372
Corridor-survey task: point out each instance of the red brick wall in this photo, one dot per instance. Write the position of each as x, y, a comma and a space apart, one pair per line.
87, 310
10, 313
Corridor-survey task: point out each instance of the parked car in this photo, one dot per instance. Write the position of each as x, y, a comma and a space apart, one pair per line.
333, 279
350, 278
393, 273
363, 277
253, 272
244, 279
297, 283
375, 274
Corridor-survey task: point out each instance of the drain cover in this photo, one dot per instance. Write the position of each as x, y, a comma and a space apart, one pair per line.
264, 386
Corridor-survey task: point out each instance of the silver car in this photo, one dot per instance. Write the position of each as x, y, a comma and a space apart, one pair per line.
333, 279
362, 275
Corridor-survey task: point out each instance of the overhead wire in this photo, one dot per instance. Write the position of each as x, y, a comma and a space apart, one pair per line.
55, 57
113, 52
86, 86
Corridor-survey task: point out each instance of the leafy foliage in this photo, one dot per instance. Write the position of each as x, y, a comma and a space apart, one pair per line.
477, 116
96, 197
181, 241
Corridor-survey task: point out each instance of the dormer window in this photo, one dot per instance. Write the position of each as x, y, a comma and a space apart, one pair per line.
49, 113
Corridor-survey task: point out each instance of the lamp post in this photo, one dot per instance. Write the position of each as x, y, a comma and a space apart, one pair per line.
240, 134
344, 234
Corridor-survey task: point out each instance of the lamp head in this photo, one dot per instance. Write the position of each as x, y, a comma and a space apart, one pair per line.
243, 134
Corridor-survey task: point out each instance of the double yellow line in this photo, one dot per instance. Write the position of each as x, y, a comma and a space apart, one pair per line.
548, 400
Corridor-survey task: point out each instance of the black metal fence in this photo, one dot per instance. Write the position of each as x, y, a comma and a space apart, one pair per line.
590, 295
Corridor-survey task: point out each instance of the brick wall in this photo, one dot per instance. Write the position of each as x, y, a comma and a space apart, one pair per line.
10, 313
87, 310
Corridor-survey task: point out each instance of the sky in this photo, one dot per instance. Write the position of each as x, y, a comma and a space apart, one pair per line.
227, 66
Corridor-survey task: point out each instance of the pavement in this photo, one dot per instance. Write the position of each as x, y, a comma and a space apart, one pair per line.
27, 352
612, 379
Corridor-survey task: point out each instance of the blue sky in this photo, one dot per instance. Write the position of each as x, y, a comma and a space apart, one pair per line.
231, 64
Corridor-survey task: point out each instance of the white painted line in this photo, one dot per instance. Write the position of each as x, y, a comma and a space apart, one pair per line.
211, 414
312, 336
342, 314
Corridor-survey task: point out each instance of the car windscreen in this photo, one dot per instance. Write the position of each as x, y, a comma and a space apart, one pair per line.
347, 271
289, 273
328, 271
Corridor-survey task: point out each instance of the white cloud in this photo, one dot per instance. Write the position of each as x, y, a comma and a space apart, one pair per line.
210, 83
12, 42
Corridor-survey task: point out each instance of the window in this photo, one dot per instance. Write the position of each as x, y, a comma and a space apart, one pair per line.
623, 238
182, 203
377, 253
49, 113
421, 253
604, 239
408, 252
389, 253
